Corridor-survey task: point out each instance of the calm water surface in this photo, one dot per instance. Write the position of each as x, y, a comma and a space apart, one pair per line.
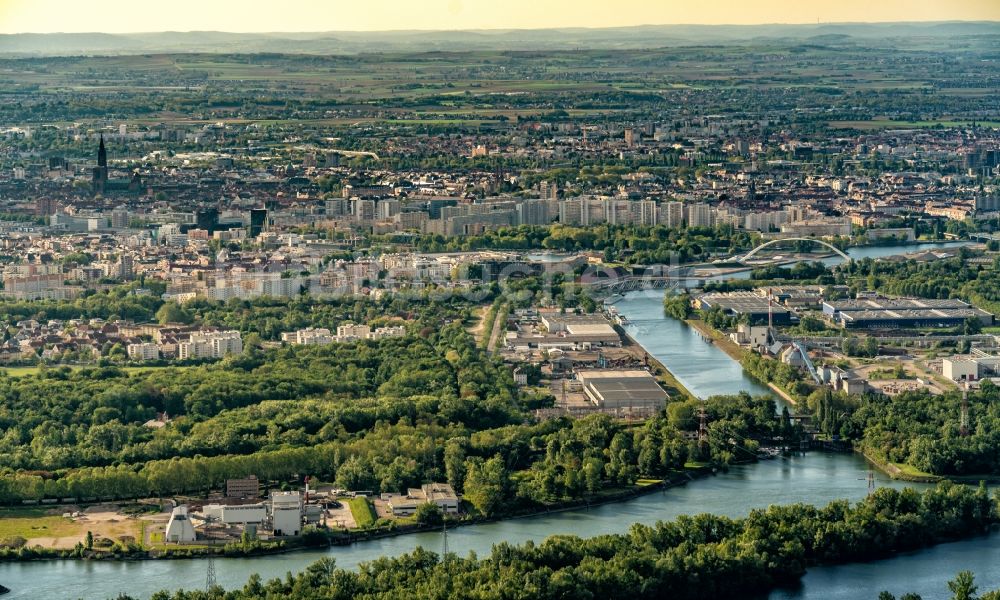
702, 368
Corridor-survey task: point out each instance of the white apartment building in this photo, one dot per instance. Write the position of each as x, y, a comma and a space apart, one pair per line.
387, 332
387, 209
672, 214
353, 332
120, 217
823, 226
647, 213
245, 285
700, 215
364, 210
214, 344
585, 210
765, 221
345, 333
144, 351
309, 336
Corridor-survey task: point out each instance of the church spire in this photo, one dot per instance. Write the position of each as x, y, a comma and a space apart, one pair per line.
102, 154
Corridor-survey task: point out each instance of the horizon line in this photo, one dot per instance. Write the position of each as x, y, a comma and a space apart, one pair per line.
514, 29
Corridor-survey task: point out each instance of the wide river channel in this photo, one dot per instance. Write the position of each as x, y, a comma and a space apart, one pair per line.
814, 478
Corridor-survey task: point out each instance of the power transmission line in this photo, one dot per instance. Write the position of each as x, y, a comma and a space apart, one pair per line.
210, 576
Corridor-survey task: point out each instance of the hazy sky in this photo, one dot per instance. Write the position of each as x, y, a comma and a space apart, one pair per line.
18, 16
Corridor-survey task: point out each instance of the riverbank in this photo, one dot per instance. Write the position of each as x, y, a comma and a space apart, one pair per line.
718, 338
812, 477
735, 352
350, 538
784, 395
912, 475
896, 472
670, 382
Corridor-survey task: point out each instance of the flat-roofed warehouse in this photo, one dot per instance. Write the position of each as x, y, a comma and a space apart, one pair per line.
615, 389
578, 330
737, 304
890, 313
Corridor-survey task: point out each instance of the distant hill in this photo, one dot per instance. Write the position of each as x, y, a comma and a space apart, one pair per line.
352, 42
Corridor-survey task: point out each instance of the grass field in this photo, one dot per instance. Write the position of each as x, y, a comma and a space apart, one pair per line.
363, 514
22, 371
31, 523
46, 527
911, 471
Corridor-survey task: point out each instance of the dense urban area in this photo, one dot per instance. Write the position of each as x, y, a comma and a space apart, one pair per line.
255, 303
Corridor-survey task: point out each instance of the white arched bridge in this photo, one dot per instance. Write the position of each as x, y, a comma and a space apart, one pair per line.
750, 254
688, 276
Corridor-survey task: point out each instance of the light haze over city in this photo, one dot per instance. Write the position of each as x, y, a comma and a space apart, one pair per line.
121, 16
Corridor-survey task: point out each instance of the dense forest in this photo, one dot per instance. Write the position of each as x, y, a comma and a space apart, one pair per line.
700, 557
923, 430
381, 415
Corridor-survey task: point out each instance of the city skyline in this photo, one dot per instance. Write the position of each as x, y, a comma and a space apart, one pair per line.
118, 16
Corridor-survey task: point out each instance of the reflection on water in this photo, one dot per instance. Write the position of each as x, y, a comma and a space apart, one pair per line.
814, 478
700, 366
705, 371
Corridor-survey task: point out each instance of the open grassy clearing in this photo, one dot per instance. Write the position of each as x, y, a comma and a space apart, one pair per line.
31, 523
23, 371
361, 510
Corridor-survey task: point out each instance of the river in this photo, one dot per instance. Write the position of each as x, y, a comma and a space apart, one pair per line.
701, 367
925, 572
860, 252
815, 478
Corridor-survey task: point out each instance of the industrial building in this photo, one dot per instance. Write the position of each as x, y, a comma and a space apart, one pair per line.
759, 309
615, 389
970, 367
842, 380
753, 336
894, 313
441, 494
179, 527
236, 514
247, 487
595, 325
804, 296
566, 332
286, 513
